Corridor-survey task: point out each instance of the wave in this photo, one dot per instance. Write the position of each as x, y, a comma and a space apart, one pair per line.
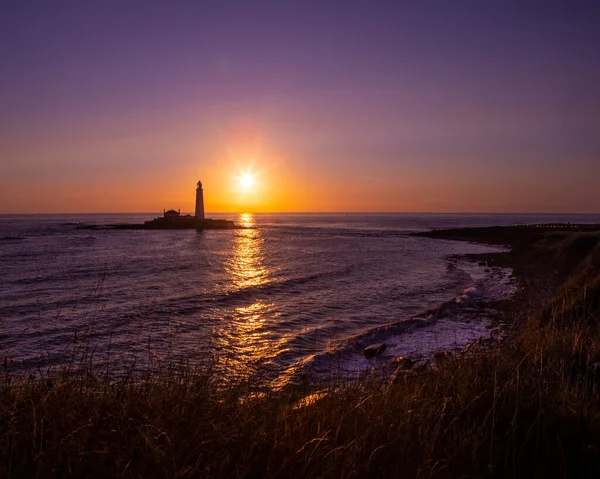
462, 318
12, 238
468, 294
245, 293
337, 232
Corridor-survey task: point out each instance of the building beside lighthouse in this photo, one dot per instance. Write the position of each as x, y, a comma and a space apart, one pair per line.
173, 219
172, 215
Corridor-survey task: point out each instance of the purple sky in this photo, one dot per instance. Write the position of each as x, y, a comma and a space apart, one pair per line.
413, 106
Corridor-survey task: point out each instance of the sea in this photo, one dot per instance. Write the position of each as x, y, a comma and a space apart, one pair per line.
291, 297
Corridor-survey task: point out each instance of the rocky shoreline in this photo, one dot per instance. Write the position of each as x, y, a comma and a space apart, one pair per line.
534, 270
534, 265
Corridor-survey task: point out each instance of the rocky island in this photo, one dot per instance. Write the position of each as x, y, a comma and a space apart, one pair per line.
173, 220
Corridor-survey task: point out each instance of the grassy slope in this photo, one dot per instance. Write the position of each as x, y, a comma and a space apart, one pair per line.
530, 408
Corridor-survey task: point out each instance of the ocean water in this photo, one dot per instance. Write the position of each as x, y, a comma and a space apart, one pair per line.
292, 296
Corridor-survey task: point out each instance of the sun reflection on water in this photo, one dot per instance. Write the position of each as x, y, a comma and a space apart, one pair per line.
247, 220
244, 337
246, 264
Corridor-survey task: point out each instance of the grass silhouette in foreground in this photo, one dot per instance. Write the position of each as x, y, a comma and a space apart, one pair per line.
529, 408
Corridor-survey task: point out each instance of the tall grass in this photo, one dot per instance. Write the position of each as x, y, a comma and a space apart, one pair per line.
528, 409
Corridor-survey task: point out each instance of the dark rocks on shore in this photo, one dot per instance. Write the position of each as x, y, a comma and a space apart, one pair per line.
401, 374
491, 341
441, 358
404, 363
407, 368
374, 350
482, 343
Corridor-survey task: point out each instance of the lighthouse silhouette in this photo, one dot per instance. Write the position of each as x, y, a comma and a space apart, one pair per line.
199, 202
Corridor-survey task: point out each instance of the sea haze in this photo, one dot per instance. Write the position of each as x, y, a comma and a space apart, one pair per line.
292, 295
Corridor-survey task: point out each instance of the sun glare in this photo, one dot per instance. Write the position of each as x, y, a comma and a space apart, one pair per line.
246, 180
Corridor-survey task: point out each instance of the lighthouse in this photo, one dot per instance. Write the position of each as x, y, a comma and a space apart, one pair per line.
199, 202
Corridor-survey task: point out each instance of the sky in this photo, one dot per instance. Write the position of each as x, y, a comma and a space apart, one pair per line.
372, 106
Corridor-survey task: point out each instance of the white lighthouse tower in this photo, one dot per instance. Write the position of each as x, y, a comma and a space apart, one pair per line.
199, 202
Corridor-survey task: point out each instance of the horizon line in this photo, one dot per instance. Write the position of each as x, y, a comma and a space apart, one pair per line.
506, 213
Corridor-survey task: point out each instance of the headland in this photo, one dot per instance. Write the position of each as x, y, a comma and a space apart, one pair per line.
543, 258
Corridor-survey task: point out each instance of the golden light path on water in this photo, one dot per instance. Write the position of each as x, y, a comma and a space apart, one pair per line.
244, 332
246, 265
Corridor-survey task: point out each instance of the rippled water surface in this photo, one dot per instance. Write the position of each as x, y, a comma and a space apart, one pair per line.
290, 294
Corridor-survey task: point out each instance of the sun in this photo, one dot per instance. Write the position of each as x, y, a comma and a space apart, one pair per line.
246, 180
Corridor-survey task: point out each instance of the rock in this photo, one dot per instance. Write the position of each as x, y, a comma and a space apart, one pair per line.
441, 358
404, 363
421, 366
391, 365
491, 341
374, 350
400, 375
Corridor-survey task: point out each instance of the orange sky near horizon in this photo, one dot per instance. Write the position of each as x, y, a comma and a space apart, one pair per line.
284, 182
282, 185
